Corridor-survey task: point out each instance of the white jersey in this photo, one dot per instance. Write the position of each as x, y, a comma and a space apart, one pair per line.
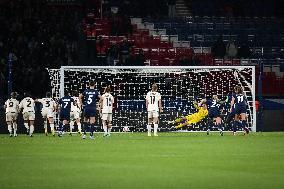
47, 103
28, 104
77, 106
12, 105
108, 101
153, 101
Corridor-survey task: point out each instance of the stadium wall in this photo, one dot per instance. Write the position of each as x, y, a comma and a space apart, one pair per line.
273, 120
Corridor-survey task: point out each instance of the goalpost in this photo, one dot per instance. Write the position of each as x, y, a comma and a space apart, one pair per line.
177, 85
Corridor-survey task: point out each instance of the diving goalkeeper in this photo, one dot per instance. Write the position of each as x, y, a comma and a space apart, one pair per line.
193, 118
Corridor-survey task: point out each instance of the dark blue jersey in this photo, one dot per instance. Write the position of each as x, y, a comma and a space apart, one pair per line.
213, 108
229, 97
90, 97
240, 100
65, 103
240, 104
228, 100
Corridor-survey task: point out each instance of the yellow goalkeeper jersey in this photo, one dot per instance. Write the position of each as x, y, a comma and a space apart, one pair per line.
193, 118
202, 113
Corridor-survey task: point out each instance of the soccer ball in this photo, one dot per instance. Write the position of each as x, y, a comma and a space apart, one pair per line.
125, 129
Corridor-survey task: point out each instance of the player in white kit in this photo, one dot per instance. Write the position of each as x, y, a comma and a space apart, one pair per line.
154, 105
12, 109
106, 106
28, 106
75, 114
47, 112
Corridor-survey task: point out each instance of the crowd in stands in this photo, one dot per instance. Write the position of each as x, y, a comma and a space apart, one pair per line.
145, 8
230, 50
164, 8
36, 36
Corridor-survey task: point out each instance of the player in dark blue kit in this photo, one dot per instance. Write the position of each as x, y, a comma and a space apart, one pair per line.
239, 104
231, 114
214, 106
65, 108
90, 97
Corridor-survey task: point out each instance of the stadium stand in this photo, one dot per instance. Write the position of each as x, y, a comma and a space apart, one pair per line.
162, 48
36, 41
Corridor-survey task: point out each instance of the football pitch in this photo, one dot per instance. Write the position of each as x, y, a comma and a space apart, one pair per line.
134, 160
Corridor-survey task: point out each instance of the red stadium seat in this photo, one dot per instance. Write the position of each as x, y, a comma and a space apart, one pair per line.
164, 62
236, 62
227, 62
218, 62
160, 51
154, 62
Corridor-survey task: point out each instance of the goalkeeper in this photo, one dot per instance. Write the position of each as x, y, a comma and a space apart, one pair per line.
193, 118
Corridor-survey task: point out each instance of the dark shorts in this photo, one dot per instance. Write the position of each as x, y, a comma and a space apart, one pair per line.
90, 112
64, 115
240, 109
230, 116
213, 114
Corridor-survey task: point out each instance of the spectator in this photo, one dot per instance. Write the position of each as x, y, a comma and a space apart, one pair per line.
3, 69
171, 8
115, 25
244, 51
126, 26
36, 40
112, 54
91, 48
124, 51
139, 59
219, 49
101, 51
195, 60
114, 6
231, 49
184, 61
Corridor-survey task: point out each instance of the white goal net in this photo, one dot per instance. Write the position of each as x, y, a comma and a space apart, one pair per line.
177, 85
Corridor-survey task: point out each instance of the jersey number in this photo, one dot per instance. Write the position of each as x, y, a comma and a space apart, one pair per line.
90, 100
29, 103
11, 104
108, 101
152, 99
213, 105
240, 98
47, 104
65, 104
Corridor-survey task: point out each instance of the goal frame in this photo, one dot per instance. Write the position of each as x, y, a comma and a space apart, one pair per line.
253, 89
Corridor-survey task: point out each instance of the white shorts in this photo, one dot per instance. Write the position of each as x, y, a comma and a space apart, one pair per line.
47, 113
107, 117
29, 116
152, 114
11, 116
74, 115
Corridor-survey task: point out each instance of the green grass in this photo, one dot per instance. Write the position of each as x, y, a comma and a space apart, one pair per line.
133, 160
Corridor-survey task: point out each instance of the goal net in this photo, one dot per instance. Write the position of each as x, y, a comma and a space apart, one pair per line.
177, 85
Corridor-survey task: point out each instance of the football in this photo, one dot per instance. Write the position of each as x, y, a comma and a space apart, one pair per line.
126, 129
